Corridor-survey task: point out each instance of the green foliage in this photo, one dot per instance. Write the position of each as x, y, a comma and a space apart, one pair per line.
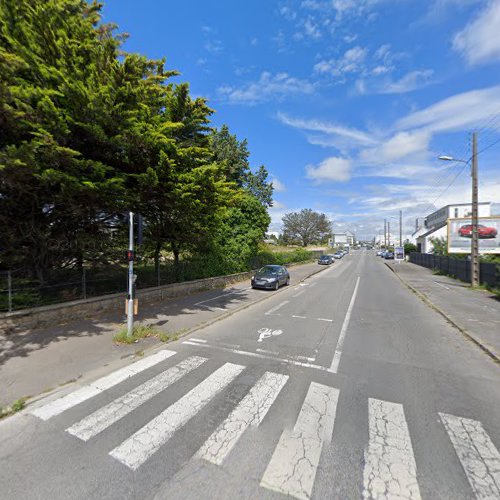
305, 227
409, 247
440, 246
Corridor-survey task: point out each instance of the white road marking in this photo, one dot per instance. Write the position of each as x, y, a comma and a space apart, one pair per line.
265, 333
477, 454
338, 350
199, 340
250, 412
277, 354
299, 293
89, 391
229, 292
325, 319
275, 308
258, 355
300, 317
293, 466
390, 470
122, 406
146, 441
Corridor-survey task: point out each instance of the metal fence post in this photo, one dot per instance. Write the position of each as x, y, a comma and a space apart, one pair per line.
9, 290
158, 278
84, 283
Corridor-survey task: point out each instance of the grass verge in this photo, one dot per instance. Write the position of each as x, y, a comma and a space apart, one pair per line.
142, 332
16, 406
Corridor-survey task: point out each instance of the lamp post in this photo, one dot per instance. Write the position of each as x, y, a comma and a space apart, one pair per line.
474, 251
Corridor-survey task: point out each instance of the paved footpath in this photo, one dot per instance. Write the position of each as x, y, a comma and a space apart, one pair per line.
475, 312
35, 362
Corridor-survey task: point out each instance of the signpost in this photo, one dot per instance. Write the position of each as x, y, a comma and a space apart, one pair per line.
399, 254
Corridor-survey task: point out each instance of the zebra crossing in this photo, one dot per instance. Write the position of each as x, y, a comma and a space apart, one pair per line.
389, 468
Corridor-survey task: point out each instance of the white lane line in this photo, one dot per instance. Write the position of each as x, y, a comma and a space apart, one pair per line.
198, 340
300, 317
325, 319
390, 470
277, 354
146, 441
477, 454
250, 412
104, 417
295, 460
338, 350
258, 355
229, 292
275, 308
299, 293
89, 391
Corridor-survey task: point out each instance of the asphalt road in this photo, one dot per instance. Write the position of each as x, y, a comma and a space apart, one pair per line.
344, 386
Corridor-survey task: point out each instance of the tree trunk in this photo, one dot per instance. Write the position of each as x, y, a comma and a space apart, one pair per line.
157, 257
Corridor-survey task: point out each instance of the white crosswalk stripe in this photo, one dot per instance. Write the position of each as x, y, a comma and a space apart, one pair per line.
120, 407
293, 466
146, 441
390, 469
477, 454
60, 405
250, 412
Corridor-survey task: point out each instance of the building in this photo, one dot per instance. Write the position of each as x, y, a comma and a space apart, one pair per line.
341, 239
436, 224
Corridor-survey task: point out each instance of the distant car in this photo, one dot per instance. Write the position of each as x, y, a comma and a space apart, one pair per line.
325, 259
270, 277
482, 231
338, 255
389, 255
380, 253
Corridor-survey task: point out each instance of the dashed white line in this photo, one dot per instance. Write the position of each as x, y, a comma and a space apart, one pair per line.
477, 454
390, 470
325, 319
295, 460
300, 317
122, 406
250, 412
298, 293
89, 391
198, 340
275, 308
338, 350
146, 441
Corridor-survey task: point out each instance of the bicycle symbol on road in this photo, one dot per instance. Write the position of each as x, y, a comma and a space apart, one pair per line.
265, 333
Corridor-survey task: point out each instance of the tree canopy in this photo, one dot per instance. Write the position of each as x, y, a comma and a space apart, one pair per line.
89, 132
305, 227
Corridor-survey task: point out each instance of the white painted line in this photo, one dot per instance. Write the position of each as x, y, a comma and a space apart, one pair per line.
122, 406
325, 319
305, 358
390, 470
298, 293
146, 441
295, 460
477, 454
275, 308
229, 292
338, 350
277, 354
300, 317
89, 391
198, 340
250, 412
258, 355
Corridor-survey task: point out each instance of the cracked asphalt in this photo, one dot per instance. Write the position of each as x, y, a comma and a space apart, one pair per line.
412, 411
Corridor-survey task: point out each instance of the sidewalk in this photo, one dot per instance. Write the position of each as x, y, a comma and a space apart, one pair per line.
475, 312
34, 362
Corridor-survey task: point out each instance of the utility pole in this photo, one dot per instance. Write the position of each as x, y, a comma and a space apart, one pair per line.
474, 254
130, 255
389, 232
385, 233
400, 228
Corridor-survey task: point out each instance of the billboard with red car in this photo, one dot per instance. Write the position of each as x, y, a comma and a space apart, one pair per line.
460, 235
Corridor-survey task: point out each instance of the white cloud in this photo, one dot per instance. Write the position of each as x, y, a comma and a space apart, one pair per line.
311, 29
277, 205
278, 186
401, 145
351, 62
330, 169
456, 112
409, 82
479, 41
336, 132
268, 87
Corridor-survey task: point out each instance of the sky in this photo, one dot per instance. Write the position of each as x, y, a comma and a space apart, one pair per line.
348, 103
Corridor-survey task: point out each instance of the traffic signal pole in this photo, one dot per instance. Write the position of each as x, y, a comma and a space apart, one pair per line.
130, 312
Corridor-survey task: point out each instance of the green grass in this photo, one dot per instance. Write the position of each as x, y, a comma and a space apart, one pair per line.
16, 406
144, 331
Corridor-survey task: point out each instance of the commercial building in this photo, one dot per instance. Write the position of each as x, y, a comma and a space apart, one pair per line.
435, 224
341, 239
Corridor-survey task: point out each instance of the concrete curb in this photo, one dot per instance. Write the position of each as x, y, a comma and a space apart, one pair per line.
162, 345
448, 318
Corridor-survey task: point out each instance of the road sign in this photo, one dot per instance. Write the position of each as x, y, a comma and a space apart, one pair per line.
399, 253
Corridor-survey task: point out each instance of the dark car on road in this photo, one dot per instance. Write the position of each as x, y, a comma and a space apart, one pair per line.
482, 231
389, 255
270, 277
325, 259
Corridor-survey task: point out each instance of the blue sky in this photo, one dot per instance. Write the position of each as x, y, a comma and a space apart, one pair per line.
346, 102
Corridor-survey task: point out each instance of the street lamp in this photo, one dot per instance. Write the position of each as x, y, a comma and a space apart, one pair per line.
474, 252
